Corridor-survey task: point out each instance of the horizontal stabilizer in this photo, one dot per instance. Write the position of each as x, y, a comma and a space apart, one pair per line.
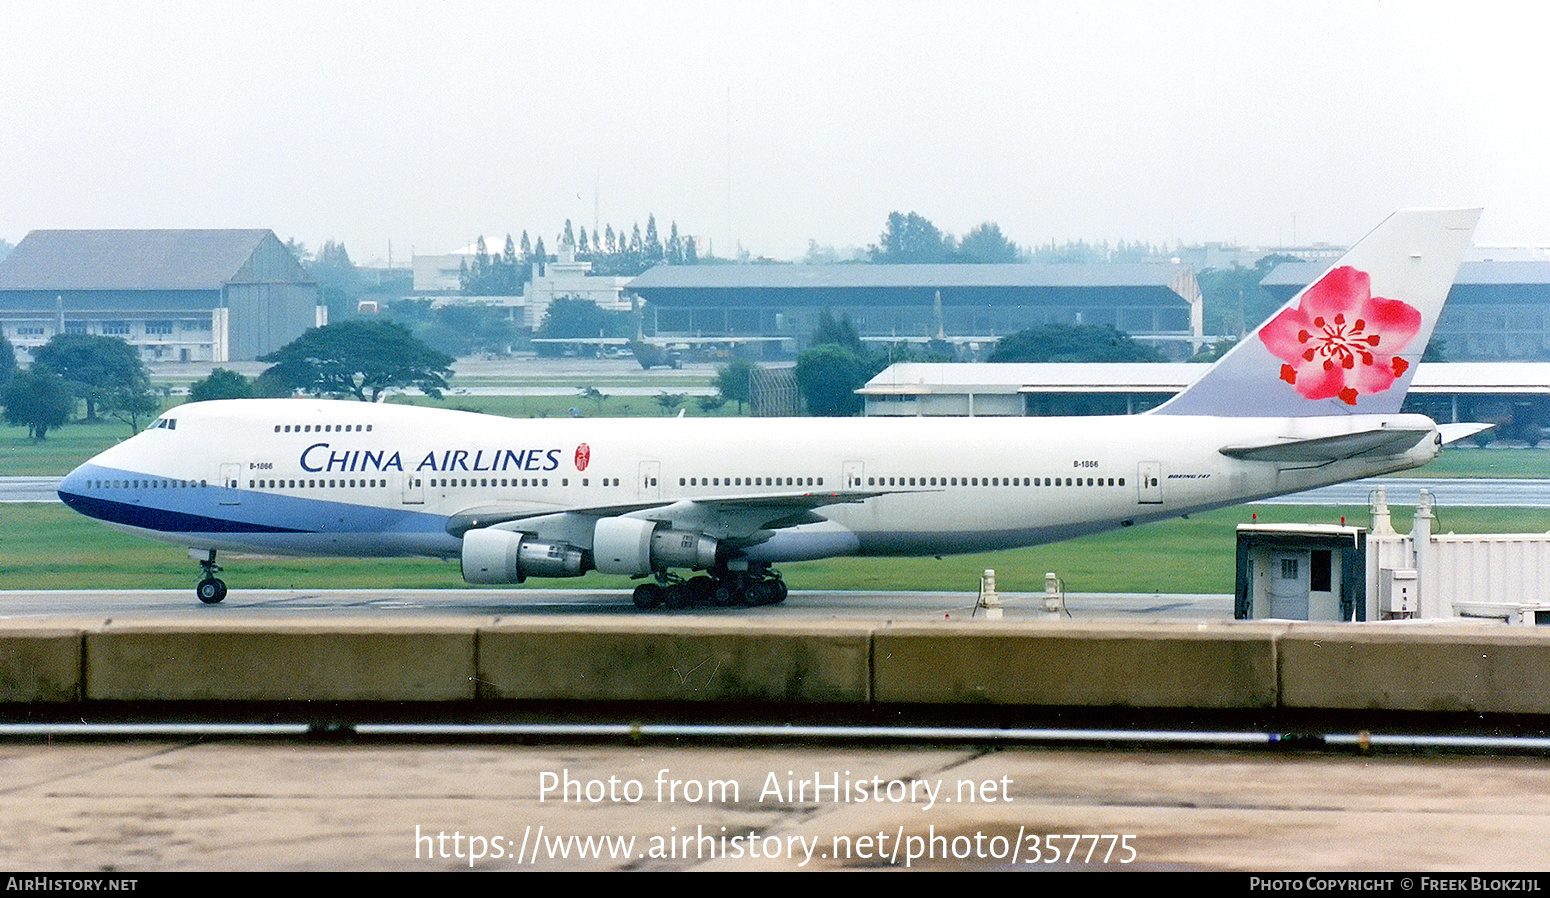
1381, 441
1452, 433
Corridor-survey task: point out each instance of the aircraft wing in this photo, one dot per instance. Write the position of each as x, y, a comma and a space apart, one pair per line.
721, 517
1378, 441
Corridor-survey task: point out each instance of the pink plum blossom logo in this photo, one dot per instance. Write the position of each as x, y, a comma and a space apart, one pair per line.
583, 456
1341, 341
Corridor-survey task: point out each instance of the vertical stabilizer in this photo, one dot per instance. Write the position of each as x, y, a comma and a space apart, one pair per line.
1349, 342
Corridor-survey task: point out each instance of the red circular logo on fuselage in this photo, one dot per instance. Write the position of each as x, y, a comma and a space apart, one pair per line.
583, 455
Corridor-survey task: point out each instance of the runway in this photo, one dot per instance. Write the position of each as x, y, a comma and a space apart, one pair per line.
180, 605
356, 805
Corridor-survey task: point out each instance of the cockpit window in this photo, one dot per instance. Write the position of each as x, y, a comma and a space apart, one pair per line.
165, 424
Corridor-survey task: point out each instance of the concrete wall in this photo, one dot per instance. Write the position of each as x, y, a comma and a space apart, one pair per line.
1221, 666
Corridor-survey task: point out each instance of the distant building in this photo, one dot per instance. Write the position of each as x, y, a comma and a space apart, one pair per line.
967, 306
437, 277
1498, 310
175, 295
443, 274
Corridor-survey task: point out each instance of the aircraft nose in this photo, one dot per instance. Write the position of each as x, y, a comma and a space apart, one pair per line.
73, 487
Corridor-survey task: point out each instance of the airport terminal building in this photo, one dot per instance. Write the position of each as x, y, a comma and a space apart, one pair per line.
966, 306
175, 295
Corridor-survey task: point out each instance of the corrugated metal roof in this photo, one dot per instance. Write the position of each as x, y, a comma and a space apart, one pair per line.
128, 260
842, 276
1515, 272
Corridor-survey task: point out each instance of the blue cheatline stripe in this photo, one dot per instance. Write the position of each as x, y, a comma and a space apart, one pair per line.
163, 520
198, 509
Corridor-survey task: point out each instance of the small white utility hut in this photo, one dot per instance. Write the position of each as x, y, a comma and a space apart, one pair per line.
1301, 572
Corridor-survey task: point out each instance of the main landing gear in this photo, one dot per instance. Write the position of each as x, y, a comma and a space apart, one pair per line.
211, 589
759, 585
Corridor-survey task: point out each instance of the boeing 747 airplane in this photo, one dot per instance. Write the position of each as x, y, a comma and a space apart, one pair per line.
1311, 398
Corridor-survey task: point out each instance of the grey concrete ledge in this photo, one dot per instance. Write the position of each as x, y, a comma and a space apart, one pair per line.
1241, 666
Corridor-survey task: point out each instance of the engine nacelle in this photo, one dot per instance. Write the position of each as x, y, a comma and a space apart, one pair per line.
635, 547
504, 556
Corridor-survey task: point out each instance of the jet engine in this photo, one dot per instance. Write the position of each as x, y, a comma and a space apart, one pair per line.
504, 556
635, 547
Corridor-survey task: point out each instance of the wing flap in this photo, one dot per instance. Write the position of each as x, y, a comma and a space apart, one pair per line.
719, 515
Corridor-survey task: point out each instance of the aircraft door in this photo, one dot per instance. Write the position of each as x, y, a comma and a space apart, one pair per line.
1149, 483
414, 489
230, 473
650, 480
853, 475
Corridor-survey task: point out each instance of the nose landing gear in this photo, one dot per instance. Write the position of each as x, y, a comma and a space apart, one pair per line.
211, 589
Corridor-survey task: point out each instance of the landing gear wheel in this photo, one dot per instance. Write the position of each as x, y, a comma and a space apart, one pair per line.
648, 595
211, 590
766, 592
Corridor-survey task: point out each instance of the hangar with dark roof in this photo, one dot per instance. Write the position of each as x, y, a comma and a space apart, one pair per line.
175, 295
966, 305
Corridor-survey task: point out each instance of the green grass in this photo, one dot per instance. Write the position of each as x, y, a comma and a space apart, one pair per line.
47, 546
60, 453
1469, 461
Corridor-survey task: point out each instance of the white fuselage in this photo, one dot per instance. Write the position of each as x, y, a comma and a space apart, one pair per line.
356, 479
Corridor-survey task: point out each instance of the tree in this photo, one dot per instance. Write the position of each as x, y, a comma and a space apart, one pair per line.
1232, 299
652, 246
7, 360
671, 402
221, 384
675, 249
509, 279
835, 366
574, 318
1072, 343
132, 406
595, 396
37, 399
985, 243
828, 376
363, 359
96, 369
840, 332
910, 239
475, 277
734, 381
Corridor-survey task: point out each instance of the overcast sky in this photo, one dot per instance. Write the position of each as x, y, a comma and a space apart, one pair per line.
765, 125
